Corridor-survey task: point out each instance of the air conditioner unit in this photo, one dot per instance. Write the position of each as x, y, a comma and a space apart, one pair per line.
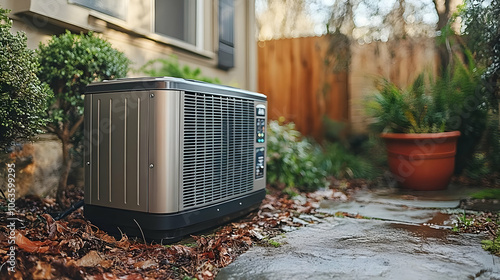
166, 157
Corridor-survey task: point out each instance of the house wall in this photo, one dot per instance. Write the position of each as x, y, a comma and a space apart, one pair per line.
134, 35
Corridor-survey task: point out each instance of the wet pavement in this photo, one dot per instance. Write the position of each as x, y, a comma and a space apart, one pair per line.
405, 235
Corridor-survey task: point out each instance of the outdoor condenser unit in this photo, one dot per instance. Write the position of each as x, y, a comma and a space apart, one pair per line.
166, 157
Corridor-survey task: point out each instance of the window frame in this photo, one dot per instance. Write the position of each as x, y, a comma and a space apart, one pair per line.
199, 36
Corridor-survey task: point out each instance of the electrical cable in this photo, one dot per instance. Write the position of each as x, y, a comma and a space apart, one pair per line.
61, 215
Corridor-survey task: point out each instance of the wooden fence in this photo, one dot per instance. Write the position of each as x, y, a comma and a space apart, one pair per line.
299, 85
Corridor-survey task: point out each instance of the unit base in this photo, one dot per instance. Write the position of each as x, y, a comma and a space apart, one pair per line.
168, 228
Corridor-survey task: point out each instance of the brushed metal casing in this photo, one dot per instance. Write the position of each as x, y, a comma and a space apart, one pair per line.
141, 135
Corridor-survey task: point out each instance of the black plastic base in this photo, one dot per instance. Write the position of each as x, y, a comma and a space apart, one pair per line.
168, 228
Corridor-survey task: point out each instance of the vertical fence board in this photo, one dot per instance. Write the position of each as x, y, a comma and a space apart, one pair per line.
303, 89
292, 74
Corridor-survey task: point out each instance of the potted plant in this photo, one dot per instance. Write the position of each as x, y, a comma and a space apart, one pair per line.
414, 123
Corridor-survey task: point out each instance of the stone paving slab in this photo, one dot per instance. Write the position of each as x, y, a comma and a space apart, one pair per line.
343, 248
400, 244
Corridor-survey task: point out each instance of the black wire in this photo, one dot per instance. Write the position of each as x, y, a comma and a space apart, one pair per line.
3, 194
69, 211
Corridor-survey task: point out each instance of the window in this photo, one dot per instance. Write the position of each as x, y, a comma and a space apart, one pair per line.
178, 19
115, 8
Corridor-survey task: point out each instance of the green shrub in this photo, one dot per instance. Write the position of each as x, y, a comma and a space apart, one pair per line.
23, 98
170, 67
339, 162
462, 89
493, 142
69, 63
297, 162
478, 167
411, 110
292, 160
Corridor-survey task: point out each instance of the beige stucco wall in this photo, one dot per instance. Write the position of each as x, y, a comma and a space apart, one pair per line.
135, 36
40, 19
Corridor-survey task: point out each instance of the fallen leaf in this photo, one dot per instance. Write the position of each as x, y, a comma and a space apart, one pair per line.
208, 274
91, 259
145, 264
42, 271
31, 246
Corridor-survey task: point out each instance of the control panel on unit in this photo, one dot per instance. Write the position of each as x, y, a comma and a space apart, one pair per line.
261, 123
260, 152
259, 162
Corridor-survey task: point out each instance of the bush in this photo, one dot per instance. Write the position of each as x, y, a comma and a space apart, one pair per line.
69, 63
292, 160
339, 162
171, 68
464, 93
23, 98
417, 109
303, 164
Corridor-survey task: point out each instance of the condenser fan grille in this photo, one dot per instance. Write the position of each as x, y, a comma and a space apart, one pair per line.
218, 148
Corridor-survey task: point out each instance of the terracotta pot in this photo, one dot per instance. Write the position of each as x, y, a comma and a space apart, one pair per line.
422, 161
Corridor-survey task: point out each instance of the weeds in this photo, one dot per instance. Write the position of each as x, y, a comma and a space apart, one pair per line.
492, 246
272, 243
463, 223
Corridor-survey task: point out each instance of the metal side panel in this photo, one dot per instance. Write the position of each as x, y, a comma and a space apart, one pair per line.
119, 150
87, 144
164, 151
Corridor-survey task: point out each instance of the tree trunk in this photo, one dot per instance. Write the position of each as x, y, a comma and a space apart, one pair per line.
443, 10
65, 132
61, 196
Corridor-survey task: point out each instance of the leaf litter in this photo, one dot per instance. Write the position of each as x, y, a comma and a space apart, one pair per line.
74, 248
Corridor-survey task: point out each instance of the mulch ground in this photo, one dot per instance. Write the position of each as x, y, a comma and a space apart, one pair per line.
74, 248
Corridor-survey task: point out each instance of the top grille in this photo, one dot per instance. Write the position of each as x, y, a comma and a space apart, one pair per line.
218, 148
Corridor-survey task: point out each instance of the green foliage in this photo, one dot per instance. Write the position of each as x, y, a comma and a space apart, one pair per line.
337, 161
272, 243
453, 102
463, 222
301, 163
487, 194
462, 90
482, 35
69, 63
493, 142
478, 168
412, 110
291, 159
23, 98
492, 246
170, 67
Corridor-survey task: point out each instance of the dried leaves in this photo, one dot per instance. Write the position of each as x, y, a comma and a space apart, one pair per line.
73, 248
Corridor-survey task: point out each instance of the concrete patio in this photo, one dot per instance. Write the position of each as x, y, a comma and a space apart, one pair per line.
403, 235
